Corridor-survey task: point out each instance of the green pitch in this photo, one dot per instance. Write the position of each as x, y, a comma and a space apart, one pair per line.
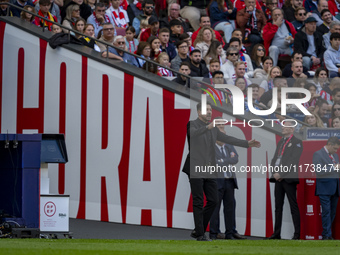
150, 247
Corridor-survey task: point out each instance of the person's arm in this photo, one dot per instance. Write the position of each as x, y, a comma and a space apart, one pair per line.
298, 45
217, 13
330, 65
136, 25
112, 55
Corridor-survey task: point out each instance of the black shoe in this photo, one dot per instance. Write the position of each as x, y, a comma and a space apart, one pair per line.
275, 237
203, 238
213, 237
230, 237
193, 234
327, 238
238, 236
296, 237
220, 236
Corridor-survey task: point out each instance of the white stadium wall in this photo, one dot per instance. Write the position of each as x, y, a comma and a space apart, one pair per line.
125, 137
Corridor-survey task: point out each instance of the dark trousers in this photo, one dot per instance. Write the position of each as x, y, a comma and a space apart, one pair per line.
202, 215
282, 188
328, 205
226, 190
254, 39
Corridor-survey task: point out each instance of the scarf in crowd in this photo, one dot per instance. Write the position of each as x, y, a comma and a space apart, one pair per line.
139, 6
97, 22
124, 4
44, 23
252, 21
118, 19
165, 72
269, 13
243, 58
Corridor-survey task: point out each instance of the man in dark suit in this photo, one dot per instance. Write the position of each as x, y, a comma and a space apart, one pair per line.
202, 136
287, 154
326, 165
226, 156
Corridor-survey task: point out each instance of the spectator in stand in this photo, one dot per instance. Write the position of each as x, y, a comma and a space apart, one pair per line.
310, 5
268, 83
183, 69
240, 72
334, 27
117, 15
3, 9
312, 120
143, 50
309, 43
152, 30
56, 29
257, 56
20, 3
92, 4
314, 96
27, 16
241, 83
87, 39
119, 54
322, 5
193, 10
174, 10
163, 60
155, 46
130, 40
335, 111
278, 82
175, 30
204, 39
54, 10
263, 73
151, 67
278, 36
80, 26
287, 71
300, 17
251, 21
333, 6
215, 52
238, 34
148, 6
321, 109
327, 91
72, 14
197, 65
327, 18
107, 36
134, 9
98, 18
85, 10
228, 67
321, 79
336, 122
299, 83
336, 96
332, 56
235, 42
297, 72
268, 7
222, 16
290, 7
240, 4
182, 56
205, 22
166, 46
214, 66
187, 38
254, 96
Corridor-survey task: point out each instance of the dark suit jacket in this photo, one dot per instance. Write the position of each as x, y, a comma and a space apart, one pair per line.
301, 43
227, 160
290, 158
327, 182
201, 150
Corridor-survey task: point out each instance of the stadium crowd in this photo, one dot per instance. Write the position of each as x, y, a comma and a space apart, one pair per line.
248, 43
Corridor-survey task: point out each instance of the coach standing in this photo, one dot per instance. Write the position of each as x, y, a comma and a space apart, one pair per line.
202, 136
287, 154
326, 165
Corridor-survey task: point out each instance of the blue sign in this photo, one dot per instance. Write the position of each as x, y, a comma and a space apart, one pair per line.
321, 133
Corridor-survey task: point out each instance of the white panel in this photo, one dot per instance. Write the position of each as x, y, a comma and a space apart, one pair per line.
148, 192
104, 162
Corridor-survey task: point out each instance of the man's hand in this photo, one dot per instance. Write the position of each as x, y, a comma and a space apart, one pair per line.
211, 125
254, 143
250, 8
100, 18
315, 60
303, 75
277, 176
278, 22
338, 70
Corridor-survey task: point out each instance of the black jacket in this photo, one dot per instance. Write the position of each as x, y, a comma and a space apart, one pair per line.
290, 159
301, 43
201, 71
322, 29
202, 145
